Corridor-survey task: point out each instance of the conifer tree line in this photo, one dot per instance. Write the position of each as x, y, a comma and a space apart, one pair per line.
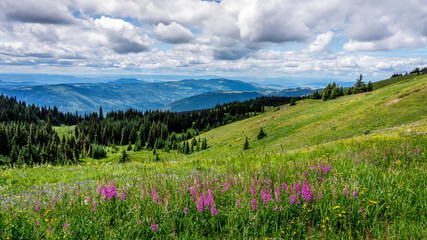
27, 136
332, 90
416, 71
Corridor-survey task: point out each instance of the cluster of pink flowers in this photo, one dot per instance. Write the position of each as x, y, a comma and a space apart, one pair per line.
108, 192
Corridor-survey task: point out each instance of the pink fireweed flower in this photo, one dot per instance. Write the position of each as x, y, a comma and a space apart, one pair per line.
284, 186
275, 209
307, 193
37, 223
345, 192
94, 206
154, 194
292, 199
213, 210
199, 202
253, 191
254, 204
185, 210
66, 227
305, 173
154, 227
356, 160
123, 196
238, 203
226, 186
326, 169
297, 189
139, 222
266, 196
320, 195
210, 198
192, 192
355, 194
277, 194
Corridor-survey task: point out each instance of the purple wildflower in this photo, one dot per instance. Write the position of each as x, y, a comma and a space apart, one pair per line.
226, 186
355, 194
266, 196
199, 202
154, 226
292, 199
213, 210
139, 222
320, 195
154, 193
237, 203
284, 186
326, 169
123, 196
307, 193
185, 210
345, 192
254, 205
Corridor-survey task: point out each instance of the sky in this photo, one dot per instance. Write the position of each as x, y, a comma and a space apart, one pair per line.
255, 39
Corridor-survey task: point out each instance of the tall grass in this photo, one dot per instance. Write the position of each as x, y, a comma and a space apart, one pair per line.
372, 186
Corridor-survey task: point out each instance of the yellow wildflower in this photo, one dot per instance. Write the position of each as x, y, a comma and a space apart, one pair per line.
323, 226
389, 195
327, 219
339, 215
336, 207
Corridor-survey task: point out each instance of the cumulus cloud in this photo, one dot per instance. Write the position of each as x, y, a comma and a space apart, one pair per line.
123, 36
322, 42
271, 21
43, 11
173, 33
269, 36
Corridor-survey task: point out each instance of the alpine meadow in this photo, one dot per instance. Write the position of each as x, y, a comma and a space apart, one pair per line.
213, 119
314, 172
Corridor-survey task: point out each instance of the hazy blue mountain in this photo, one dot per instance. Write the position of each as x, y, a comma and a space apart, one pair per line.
291, 92
121, 94
209, 100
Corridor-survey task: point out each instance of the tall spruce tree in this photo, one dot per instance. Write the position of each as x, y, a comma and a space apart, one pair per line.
261, 134
359, 86
246, 144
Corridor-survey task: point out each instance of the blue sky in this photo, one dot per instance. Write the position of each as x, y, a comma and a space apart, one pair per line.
256, 39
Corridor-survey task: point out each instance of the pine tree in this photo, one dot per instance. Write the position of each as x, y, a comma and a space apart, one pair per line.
124, 158
101, 114
261, 134
204, 144
246, 145
359, 86
292, 102
369, 87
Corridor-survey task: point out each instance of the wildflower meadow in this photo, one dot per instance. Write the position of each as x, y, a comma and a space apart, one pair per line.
369, 187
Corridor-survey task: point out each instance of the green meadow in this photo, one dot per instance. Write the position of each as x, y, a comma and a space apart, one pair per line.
349, 168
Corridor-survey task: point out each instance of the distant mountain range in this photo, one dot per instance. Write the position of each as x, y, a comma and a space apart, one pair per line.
125, 93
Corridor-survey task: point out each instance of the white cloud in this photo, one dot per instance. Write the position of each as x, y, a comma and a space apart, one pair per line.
123, 36
322, 42
272, 21
226, 37
173, 33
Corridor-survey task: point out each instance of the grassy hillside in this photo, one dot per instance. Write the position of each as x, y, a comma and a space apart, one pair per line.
312, 122
350, 168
